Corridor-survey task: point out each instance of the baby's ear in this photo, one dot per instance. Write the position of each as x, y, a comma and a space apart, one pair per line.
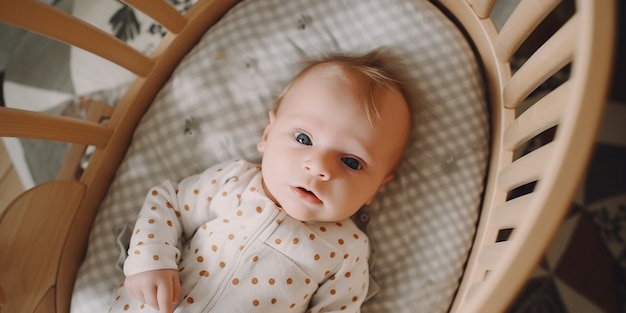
385, 181
261, 145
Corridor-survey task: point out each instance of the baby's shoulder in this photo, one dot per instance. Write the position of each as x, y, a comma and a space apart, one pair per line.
231, 168
221, 174
235, 165
343, 235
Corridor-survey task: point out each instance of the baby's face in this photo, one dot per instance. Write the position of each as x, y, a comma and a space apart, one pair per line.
322, 158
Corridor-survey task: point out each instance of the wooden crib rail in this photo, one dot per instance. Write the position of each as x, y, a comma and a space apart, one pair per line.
482, 8
514, 229
35, 125
51, 22
553, 56
546, 113
520, 24
72, 215
529, 188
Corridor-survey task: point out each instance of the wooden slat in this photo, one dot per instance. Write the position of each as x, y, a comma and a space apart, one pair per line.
27, 124
96, 112
520, 24
490, 255
474, 289
510, 213
482, 8
51, 22
538, 118
162, 12
525, 169
552, 56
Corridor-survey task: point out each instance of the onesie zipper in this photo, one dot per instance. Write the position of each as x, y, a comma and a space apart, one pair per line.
263, 227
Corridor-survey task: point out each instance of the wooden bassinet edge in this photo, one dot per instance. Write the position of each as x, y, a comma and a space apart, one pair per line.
40, 225
497, 270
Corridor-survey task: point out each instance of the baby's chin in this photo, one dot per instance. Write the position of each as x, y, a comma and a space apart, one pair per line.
300, 215
310, 217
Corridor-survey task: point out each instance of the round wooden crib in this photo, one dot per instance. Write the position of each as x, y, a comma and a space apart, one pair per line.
43, 233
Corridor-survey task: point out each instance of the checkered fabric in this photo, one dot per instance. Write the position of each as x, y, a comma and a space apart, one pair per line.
215, 108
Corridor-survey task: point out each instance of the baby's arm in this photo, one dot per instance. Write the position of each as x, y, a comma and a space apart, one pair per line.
159, 289
151, 267
155, 243
171, 214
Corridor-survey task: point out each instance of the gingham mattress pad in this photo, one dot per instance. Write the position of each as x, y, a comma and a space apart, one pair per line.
214, 108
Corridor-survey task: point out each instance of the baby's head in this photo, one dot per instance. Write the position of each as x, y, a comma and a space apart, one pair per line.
337, 133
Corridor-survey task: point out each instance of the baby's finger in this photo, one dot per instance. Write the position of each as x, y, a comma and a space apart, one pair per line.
151, 299
164, 298
176, 285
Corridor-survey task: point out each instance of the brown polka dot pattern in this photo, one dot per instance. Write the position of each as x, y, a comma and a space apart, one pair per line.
287, 266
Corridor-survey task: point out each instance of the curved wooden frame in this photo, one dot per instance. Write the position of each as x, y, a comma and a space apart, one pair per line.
41, 225
497, 268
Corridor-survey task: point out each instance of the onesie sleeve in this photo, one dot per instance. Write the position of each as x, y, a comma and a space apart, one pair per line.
346, 290
170, 215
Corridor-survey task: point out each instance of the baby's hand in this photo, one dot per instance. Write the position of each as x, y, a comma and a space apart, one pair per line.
159, 289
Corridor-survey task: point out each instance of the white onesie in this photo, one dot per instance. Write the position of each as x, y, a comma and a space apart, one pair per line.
236, 251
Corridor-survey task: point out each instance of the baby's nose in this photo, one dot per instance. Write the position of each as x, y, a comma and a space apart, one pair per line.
319, 167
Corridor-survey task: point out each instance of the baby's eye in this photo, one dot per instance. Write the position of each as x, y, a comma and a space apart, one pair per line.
352, 163
303, 139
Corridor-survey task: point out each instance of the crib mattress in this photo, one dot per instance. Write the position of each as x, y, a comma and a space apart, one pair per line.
214, 108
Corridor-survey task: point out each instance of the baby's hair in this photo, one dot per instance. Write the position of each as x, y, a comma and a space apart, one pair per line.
371, 76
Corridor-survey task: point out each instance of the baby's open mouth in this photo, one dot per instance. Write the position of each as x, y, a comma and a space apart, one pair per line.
308, 194
307, 191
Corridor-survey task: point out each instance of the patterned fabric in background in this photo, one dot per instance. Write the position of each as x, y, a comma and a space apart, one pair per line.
125, 24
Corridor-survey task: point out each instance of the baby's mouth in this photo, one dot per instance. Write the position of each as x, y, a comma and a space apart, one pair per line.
307, 194
307, 191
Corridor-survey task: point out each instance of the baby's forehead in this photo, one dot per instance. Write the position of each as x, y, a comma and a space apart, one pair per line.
375, 93
374, 89
327, 70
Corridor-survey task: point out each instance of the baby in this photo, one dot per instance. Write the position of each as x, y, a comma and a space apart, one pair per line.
277, 237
